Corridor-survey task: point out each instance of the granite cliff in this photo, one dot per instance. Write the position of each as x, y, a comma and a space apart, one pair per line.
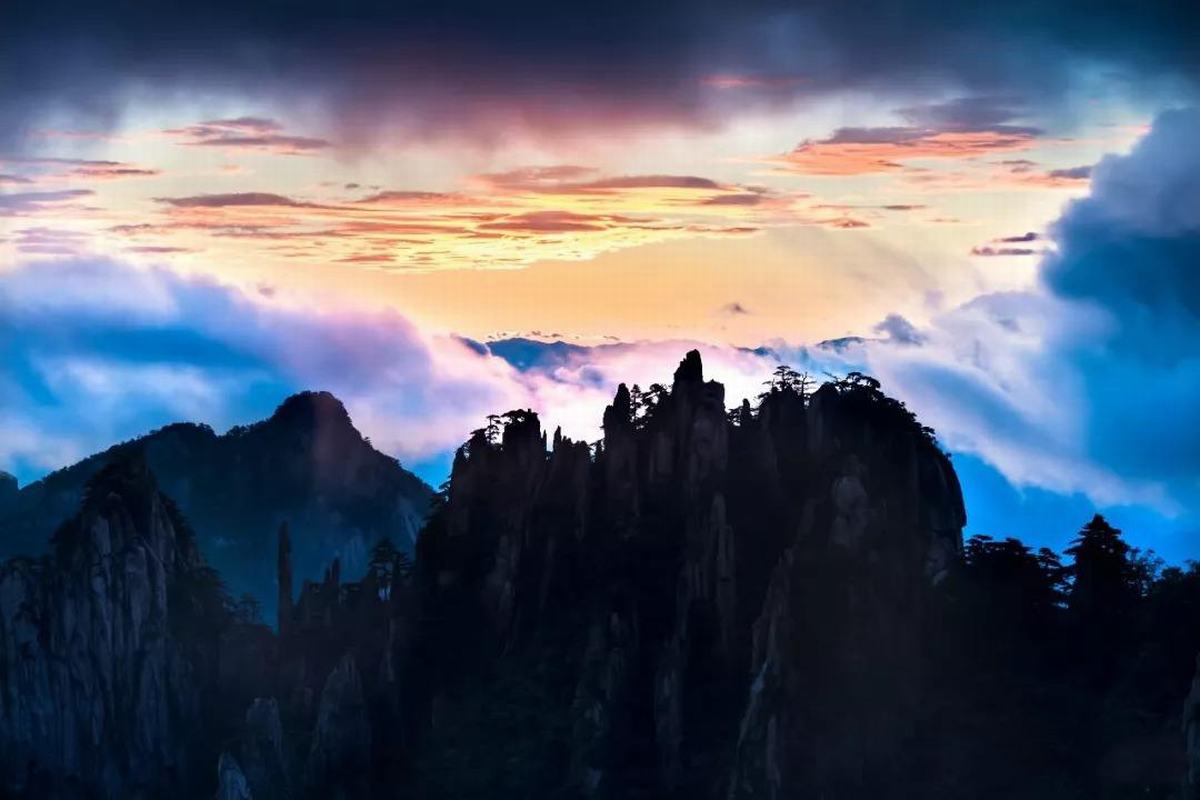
107, 650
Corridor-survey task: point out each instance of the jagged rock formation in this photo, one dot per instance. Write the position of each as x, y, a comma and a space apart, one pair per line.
262, 752
231, 782
306, 465
341, 741
125, 668
104, 656
1191, 732
721, 568
773, 602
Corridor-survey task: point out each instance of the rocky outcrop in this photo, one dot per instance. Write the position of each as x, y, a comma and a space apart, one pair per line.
339, 758
262, 752
101, 673
846, 606
704, 570
1191, 733
231, 782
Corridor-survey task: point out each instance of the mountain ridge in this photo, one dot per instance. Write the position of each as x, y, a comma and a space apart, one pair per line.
765, 602
305, 464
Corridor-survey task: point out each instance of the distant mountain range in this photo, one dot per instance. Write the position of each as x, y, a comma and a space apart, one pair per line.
306, 465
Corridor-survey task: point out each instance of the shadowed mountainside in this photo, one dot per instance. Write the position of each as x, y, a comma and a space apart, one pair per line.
306, 465
109, 650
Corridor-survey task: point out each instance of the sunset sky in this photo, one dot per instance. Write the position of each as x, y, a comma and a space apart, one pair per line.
995, 208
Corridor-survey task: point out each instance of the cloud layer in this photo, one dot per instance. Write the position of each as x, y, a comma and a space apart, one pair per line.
484, 69
95, 352
1089, 383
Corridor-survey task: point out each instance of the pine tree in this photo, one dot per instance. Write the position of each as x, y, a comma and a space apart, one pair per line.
1103, 577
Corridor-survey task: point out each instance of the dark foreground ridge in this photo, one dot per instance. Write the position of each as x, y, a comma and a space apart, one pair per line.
773, 602
305, 464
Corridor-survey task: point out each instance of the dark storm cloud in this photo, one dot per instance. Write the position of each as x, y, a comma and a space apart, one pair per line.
552, 64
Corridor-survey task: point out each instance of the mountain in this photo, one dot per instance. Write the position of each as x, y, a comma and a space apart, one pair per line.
680, 594
772, 601
306, 465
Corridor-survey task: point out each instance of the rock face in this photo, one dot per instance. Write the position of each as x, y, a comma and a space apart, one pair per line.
262, 752
101, 673
846, 609
231, 782
700, 575
341, 742
306, 465
126, 668
1191, 732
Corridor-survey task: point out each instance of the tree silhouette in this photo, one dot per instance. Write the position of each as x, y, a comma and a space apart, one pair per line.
1104, 579
787, 379
1102, 599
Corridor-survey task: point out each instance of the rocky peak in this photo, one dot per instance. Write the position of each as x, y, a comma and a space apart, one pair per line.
690, 370
123, 508
619, 415
312, 411
341, 741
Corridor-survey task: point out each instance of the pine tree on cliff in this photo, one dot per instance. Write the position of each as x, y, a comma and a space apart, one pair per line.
1103, 595
1103, 576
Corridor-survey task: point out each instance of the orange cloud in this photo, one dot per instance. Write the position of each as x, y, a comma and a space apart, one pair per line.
500, 219
860, 151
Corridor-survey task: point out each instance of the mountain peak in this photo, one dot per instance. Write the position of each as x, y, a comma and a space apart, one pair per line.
312, 409
691, 369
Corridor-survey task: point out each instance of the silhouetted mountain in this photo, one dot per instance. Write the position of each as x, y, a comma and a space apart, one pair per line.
770, 602
306, 464
662, 608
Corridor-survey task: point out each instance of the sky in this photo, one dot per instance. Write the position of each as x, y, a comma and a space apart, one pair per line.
444, 210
